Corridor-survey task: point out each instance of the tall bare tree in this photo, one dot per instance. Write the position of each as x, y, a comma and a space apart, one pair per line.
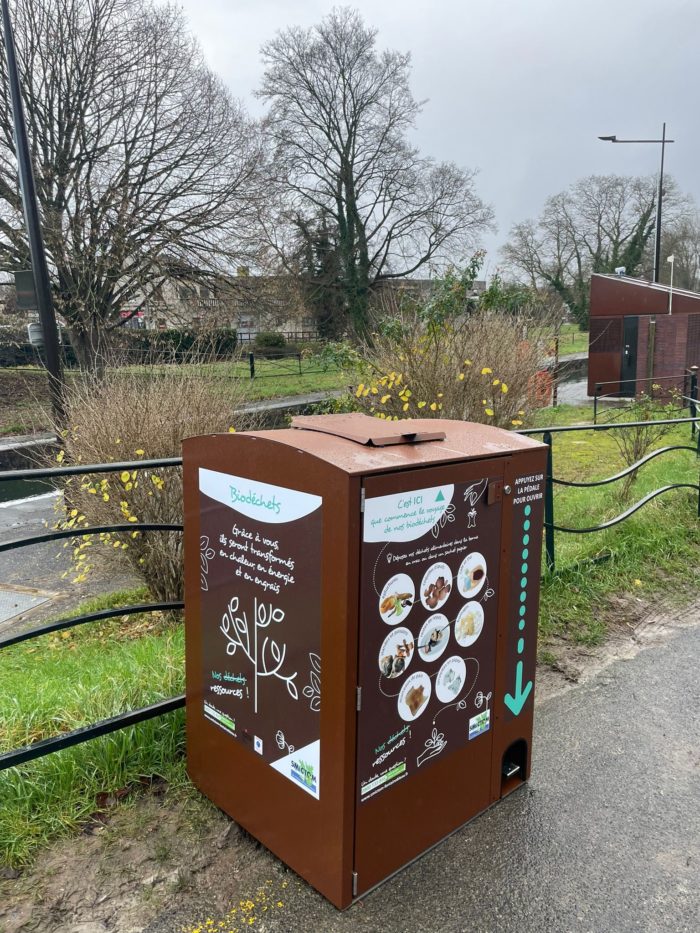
596, 225
145, 166
339, 115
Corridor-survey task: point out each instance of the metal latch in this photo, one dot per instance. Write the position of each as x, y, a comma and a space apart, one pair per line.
494, 493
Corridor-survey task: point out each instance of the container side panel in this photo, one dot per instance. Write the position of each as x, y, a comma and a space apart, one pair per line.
270, 678
513, 705
260, 549
428, 622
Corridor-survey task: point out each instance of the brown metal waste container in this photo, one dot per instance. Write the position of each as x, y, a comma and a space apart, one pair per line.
361, 617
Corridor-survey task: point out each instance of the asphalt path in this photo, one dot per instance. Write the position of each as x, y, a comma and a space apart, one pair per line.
605, 838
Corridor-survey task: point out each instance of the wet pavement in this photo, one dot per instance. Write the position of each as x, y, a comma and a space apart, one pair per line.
604, 839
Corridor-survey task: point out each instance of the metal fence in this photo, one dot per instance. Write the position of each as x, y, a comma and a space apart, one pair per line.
129, 718
656, 387
66, 740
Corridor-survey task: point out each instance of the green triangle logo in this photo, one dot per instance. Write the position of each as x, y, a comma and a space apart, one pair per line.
440, 497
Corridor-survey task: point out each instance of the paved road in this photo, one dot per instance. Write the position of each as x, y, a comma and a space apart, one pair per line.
40, 566
604, 839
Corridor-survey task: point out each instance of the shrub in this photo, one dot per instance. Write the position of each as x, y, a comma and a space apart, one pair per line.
444, 358
270, 340
131, 416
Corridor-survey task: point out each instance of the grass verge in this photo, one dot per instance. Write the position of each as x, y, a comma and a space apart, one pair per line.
61, 682
26, 403
652, 554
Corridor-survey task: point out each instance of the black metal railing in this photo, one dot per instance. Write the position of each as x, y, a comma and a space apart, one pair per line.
551, 480
688, 379
130, 717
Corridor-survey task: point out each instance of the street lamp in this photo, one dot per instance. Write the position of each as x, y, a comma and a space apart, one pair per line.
662, 142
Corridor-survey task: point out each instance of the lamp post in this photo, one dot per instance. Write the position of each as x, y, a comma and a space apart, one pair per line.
662, 142
40, 270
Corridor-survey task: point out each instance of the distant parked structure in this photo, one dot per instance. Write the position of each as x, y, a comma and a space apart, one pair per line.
640, 332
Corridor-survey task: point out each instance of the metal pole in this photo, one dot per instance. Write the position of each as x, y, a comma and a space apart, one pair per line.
659, 199
40, 270
693, 398
549, 505
595, 403
251, 364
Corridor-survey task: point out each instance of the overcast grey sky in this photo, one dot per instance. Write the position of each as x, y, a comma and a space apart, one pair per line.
518, 88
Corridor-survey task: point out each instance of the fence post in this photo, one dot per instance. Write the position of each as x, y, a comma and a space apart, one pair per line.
595, 404
251, 363
693, 406
299, 357
549, 504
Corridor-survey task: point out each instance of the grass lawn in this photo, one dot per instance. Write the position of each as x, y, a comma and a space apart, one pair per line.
571, 340
25, 398
649, 555
63, 681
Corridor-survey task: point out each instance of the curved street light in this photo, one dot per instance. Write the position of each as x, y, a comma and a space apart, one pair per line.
662, 142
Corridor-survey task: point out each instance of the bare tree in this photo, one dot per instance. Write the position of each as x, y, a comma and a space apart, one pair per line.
339, 115
598, 224
145, 166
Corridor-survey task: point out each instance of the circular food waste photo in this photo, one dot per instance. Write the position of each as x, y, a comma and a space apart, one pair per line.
472, 574
469, 624
436, 586
396, 652
414, 696
397, 598
450, 679
433, 637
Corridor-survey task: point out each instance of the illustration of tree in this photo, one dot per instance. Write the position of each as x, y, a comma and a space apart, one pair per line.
267, 659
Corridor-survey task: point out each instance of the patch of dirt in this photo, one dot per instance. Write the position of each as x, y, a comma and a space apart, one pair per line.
149, 855
632, 624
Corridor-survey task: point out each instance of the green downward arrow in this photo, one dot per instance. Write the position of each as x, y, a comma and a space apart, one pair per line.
516, 702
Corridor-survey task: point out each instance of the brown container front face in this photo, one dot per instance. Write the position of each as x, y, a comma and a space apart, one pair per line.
270, 552
446, 662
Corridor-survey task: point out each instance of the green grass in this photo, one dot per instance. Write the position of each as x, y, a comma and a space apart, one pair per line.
572, 340
26, 402
652, 554
61, 682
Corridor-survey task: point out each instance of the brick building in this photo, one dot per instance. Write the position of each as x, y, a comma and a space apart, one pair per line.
640, 332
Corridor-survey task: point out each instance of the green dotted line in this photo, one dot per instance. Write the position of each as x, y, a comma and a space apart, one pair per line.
523, 582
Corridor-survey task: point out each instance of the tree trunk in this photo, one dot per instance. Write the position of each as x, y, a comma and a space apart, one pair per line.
88, 342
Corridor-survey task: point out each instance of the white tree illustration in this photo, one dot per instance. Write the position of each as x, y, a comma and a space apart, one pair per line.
267, 659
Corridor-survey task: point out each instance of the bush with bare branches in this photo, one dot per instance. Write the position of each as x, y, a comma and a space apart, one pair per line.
445, 358
138, 413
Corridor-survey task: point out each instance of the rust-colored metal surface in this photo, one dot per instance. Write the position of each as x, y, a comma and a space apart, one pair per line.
313, 834
363, 429
356, 664
677, 340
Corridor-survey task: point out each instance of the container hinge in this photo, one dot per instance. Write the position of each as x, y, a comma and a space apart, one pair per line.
358, 698
362, 499
354, 884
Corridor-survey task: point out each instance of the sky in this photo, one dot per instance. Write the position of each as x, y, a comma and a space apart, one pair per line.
519, 89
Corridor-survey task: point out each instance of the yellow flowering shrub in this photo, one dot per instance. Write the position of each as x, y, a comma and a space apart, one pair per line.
127, 418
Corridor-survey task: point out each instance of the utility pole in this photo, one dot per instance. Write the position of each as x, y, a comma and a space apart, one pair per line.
42, 284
